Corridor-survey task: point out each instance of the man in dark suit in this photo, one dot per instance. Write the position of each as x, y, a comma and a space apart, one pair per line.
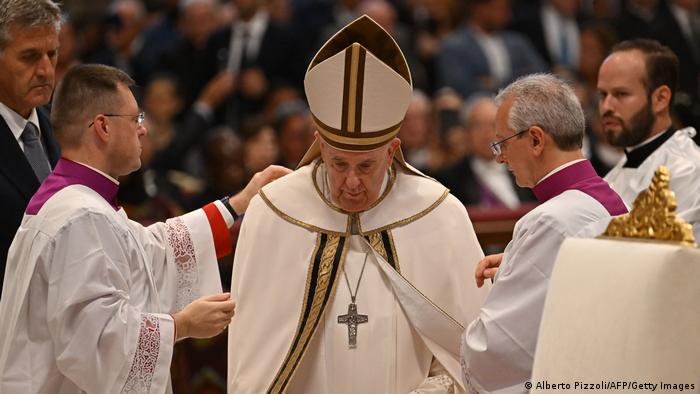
28, 52
482, 56
260, 52
477, 179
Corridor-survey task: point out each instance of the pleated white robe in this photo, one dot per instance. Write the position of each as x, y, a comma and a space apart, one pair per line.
88, 295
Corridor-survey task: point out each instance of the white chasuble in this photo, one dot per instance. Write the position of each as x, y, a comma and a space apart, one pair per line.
88, 295
293, 253
682, 157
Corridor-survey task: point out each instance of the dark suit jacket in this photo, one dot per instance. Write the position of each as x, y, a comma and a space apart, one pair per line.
462, 64
17, 181
277, 57
529, 22
464, 184
687, 97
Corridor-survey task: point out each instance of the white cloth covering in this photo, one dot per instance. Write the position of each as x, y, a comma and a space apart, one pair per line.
437, 251
682, 157
499, 346
88, 293
621, 312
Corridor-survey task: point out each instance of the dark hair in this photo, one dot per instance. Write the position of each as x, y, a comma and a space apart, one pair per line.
85, 91
661, 63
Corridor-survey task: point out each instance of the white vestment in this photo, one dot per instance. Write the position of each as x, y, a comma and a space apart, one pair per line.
499, 346
289, 286
682, 157
88, 293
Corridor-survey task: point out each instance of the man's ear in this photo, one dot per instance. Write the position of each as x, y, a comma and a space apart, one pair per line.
100, 128
660, 99
537, 139
394, 146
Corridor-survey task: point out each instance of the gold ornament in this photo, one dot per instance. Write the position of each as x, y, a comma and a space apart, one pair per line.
653, 215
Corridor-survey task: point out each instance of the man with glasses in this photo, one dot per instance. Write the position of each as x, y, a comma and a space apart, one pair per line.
28, 53
93, 302
540, 126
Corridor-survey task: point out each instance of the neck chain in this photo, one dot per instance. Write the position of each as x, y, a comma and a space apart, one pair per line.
352, 318
357, 287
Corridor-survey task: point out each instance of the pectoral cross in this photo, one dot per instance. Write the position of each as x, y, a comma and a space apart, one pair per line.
352, 319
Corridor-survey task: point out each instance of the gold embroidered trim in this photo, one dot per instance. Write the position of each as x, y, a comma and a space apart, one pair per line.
393, 251
377, 243
308, 327
294, 221
403, 222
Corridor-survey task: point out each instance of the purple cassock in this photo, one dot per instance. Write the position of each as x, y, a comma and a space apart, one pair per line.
581, 176
67, 173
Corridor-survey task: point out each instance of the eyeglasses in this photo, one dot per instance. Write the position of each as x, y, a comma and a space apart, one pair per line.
496, 146
140, 118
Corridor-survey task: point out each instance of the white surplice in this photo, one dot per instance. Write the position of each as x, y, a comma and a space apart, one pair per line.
499, 346
88, 295
682, 157
427, 230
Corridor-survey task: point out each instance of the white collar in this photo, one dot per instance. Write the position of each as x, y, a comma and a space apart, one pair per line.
116, 182
561, 167
256, 26
17, 122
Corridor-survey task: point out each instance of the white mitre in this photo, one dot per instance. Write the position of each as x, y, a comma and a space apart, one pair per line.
358, 87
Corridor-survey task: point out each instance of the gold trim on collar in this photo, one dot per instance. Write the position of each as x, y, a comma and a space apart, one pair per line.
403, 222
297, 222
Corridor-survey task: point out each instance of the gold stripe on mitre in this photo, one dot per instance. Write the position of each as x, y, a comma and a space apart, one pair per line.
359, 87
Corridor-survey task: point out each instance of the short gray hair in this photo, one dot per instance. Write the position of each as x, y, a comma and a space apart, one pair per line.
548, 102
27, 13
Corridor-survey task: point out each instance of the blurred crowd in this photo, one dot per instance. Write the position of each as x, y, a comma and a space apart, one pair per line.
221, 83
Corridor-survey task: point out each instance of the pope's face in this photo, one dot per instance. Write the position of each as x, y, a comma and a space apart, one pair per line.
625, 107
356, 178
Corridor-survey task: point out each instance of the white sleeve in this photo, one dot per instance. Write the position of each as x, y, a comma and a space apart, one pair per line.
183, 257
102, 342
499, 346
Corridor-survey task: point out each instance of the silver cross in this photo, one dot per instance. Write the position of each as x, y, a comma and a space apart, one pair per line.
352, 319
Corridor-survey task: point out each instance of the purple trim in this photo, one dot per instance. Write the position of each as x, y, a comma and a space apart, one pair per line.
581, 176
69, 173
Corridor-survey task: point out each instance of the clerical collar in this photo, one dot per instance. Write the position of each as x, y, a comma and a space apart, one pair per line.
68, 173
637, 155
580, 176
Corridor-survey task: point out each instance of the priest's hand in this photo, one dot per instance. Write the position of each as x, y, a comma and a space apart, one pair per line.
205, 317
487, 268
240, 201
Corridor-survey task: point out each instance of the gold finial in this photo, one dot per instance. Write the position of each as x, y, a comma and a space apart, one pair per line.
653, 215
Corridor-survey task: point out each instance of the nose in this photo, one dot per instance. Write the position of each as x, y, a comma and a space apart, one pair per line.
605, 104
45, 67
352, 181
142, 130
500, 158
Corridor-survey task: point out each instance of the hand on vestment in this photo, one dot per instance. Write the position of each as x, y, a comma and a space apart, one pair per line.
240, 201
487, 268
205, 317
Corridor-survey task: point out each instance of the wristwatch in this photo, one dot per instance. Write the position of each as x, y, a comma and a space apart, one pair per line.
228, 206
